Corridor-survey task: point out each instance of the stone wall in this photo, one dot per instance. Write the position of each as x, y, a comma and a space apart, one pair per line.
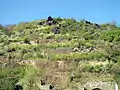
99, 86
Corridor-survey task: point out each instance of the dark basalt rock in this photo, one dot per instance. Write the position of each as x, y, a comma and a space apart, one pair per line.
42, 82
56, 30
18, 87
87, 22
50, 18
97, 25
40, 23
50, 21
51, 87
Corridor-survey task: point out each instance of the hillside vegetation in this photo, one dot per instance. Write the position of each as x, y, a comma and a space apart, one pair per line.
58, 51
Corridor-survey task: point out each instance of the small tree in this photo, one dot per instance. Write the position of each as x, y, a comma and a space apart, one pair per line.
1, 27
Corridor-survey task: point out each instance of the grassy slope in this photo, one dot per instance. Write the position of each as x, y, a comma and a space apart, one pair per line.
96, 56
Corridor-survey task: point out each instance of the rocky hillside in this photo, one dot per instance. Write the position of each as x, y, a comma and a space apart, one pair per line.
63, 53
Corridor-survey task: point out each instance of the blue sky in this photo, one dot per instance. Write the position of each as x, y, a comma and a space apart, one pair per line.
99, 11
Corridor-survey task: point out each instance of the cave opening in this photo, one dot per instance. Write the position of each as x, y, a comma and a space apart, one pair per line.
96, 89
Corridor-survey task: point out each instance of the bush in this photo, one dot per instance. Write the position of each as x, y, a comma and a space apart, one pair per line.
26, 40
1, 27
10, 76
88, 68
112, 35
115, 69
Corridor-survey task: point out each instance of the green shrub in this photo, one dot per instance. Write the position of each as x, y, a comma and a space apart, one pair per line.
1, 27
26, 40
115, 69
31, 78
88, 68
112, 35
10, 76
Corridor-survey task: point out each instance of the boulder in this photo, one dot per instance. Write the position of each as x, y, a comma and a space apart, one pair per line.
18, 87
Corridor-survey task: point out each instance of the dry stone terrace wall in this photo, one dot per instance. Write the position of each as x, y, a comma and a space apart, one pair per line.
99, 86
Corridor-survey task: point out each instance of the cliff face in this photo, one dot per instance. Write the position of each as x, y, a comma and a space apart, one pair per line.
62, 52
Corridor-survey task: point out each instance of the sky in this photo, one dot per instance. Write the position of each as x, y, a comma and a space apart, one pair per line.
98, 11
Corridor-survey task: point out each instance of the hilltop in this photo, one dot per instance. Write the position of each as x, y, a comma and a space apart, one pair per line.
58, 51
